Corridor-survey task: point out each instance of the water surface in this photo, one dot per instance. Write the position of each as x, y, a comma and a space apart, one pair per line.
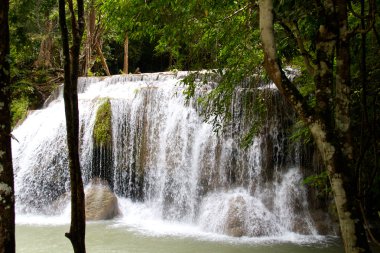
111, 237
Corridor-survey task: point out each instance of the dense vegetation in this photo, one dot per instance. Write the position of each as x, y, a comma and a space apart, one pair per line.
223, 36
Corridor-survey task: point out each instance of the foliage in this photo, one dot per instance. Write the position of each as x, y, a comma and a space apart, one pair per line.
28, 28
29, 89
201, 35
320, 182
31, 86
300, 133
103, 127
19, 110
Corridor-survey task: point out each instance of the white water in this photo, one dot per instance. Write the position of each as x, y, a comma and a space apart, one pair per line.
172, 174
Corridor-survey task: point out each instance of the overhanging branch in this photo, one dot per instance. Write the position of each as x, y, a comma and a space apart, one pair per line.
293, 30
273, 67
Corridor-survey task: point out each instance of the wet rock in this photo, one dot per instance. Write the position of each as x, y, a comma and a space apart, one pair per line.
58, 205
323, 223
235, 217
101, 202
300, 226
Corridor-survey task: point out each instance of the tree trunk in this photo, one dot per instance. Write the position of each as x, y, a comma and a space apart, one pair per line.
44, 56
102, 59
70, 94
349, 211
334, 148
93, 42
7, 211
350, 220
126, 44
88, 59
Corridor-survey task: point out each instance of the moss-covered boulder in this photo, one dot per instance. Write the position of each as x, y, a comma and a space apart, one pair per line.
102, 161
103, 124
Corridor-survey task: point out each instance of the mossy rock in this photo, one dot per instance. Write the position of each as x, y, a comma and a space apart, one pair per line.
103, 124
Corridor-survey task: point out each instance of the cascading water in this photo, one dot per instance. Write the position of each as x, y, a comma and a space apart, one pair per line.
164, 162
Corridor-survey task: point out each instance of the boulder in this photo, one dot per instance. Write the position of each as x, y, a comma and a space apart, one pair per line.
235, 217
247, 216
101, 202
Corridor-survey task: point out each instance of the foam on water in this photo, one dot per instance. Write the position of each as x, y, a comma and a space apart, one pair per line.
143, 219
45, 220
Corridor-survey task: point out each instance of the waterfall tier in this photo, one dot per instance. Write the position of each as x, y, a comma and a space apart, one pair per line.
163, 156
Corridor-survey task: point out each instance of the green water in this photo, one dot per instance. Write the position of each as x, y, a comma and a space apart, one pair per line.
102, 237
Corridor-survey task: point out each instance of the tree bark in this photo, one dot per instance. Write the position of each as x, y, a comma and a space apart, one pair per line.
7, 211
126, 44
332, 142
70, 94
44, 56
92, 43
102, 59
349, 213
88, 58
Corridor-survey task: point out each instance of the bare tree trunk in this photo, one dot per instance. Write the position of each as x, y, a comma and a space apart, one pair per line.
93, 42
70, 94
334, 148
7, 211
102, 59
126, 44
88, 61
44, 56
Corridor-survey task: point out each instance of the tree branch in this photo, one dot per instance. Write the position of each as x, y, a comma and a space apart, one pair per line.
272, 65
234, 13
72, 14
359, 16
65, 39
292, 28
370, 19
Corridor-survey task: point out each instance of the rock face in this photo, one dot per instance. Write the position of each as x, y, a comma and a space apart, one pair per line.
323, 223
101, 202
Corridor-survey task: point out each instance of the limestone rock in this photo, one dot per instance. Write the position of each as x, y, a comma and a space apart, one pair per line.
235, 217
101, 202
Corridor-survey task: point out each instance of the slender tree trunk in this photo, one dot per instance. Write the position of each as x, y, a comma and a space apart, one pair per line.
102, 59
126, 44
7, 211
332, 143
70, 94
350, 220
349, 213
93, 42
343, 82
44, 56
91, 23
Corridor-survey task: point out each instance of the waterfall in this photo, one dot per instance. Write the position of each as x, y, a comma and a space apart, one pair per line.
164, 157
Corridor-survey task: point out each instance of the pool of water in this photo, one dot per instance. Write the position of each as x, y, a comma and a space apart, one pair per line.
112, 237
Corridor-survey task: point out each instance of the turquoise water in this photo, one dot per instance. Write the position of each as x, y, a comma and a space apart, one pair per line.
109, 237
